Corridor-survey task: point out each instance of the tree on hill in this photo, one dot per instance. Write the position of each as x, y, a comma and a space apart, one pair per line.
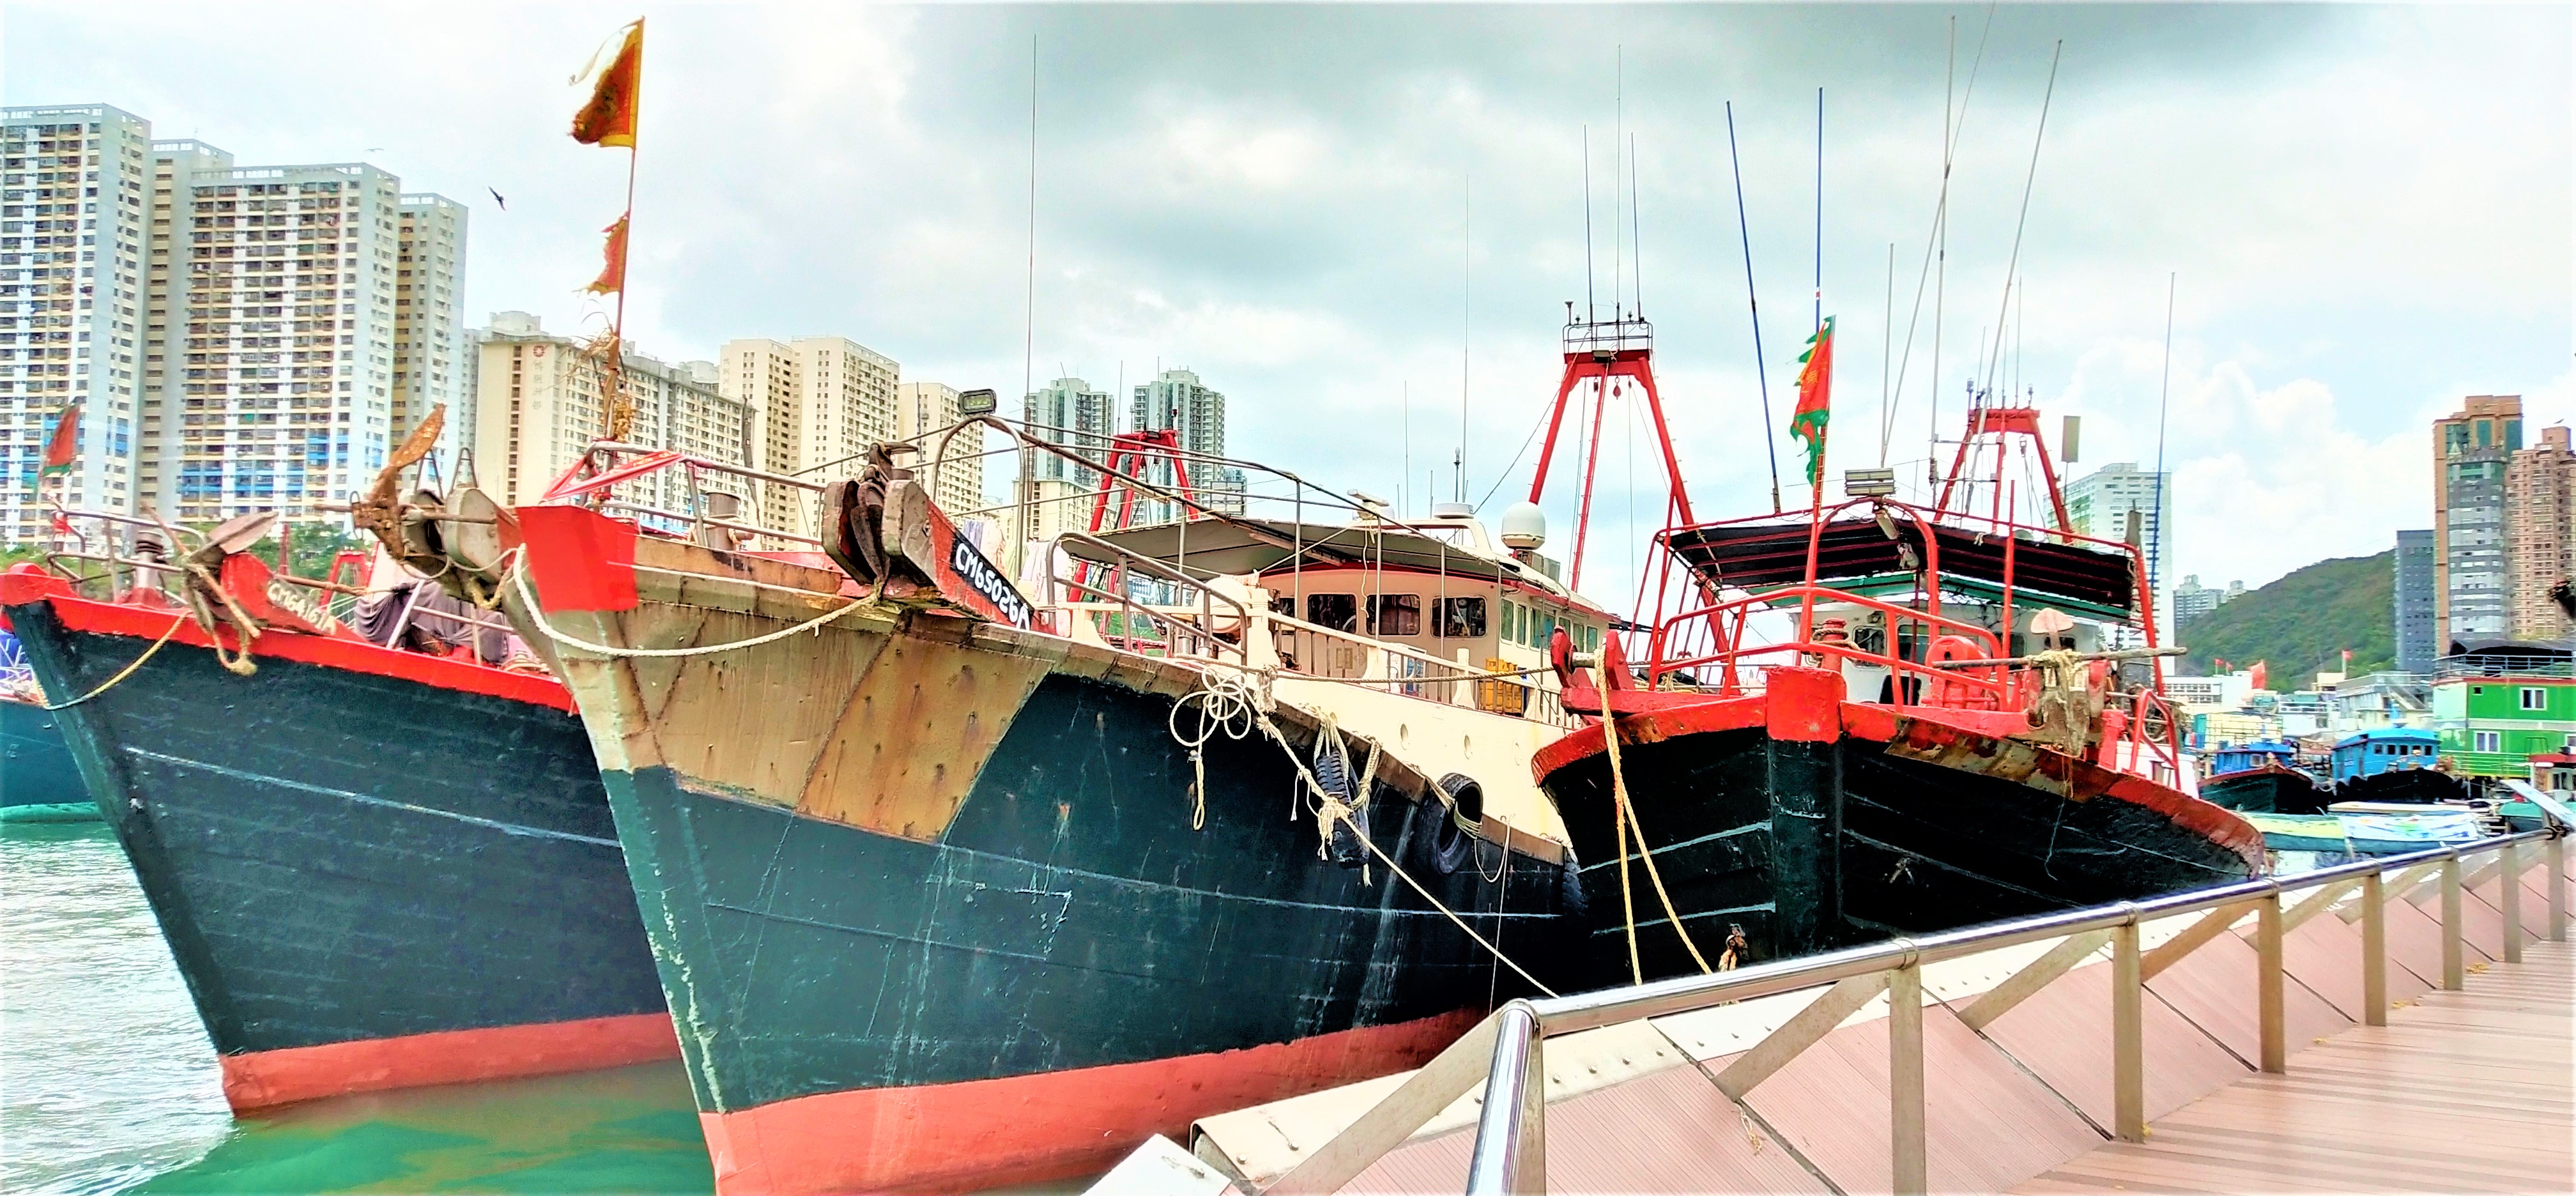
2303, 623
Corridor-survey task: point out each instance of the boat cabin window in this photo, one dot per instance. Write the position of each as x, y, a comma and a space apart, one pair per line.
1395, 614
1333, 612
1460, 619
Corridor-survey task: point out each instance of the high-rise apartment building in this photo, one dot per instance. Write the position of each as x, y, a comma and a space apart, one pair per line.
73, 186
922, 410
2191, 600
539, 403
1179, 401
430, 366
2470, 569
2416, 644
1068, 412
2540, 533
2099, 503
818, 401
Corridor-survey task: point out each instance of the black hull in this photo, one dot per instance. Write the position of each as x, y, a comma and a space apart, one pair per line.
2266, 791
1068, 922
1812, 845
2426, 786
346, 860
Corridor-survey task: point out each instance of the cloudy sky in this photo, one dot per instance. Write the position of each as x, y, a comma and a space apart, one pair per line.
2368, 211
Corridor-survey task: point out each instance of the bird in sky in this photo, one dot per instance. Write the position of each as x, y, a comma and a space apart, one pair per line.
496, 199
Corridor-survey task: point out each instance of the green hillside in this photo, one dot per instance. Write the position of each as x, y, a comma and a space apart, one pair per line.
2302, 623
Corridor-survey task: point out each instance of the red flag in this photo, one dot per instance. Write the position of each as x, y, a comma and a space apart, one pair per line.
64, 444
1815, 403
609, 117
2259, 675
612, 273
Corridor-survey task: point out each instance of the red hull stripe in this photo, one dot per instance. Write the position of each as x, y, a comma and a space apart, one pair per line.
263, 1079
356, 656
1027, 1129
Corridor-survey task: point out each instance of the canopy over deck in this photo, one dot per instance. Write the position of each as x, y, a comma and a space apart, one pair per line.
1240, 545
1757, 556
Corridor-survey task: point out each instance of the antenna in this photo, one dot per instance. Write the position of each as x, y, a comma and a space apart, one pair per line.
1591, 309
1820, 207
1761, 371
1886, 356
2012, 266
1618, 177
1467, 312
2164, 395
1636, 235
1028, 321
1405, 474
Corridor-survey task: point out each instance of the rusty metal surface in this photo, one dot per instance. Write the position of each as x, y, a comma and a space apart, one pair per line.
2062, 1033
2214, 987
914, 734
1988, 1123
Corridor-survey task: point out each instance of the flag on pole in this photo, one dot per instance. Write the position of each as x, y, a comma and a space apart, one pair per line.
612, 272
64, 444
1815, 386
2260, 675
609, 117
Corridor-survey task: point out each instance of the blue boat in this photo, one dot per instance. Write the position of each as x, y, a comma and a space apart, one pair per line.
2394, 764
2353, 835
38, 782
2259, 777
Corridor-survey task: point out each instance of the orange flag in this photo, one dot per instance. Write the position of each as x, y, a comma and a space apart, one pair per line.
64, 444
612, 273
609, 117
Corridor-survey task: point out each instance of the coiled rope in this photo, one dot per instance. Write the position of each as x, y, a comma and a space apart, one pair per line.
1231, 697
519, 577
1225, 706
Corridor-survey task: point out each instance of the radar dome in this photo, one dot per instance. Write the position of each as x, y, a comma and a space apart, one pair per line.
1524, 527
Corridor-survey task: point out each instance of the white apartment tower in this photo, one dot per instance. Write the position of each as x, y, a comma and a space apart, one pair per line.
73, 182
539, 409
1066, 412
2099, 503
817, 401
430, 345
922, 411
1179, 401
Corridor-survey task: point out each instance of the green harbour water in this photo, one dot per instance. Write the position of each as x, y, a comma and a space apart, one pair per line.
107, 1082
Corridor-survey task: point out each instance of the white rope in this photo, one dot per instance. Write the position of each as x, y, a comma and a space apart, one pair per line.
520, 578
1225, 704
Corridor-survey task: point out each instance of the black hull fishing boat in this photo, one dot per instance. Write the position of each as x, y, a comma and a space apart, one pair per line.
1873, 718
2271, 790
375, 868
943, 900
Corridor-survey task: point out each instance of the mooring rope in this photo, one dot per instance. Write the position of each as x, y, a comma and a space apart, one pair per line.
519, 577
1628, 817
129, 670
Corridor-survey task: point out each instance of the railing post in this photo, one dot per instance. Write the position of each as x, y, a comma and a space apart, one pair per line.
1510, 1155
2128, 1047
2452, 976
2374, 951
2558, 889
2267, 983
1905, 1141
2509, 901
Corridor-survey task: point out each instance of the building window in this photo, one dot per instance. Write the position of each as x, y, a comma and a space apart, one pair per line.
2535, 698
2486, 741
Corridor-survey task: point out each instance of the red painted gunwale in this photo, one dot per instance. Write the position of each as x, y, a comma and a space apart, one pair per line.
1882, 723
1028, 1129
19, 588
266, 1079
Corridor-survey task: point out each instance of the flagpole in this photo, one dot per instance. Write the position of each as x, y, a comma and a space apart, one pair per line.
621, 414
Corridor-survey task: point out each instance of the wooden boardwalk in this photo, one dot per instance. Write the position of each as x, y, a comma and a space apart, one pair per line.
2461, 1092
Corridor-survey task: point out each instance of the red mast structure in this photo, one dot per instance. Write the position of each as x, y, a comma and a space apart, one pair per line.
1605, 356
1990, 425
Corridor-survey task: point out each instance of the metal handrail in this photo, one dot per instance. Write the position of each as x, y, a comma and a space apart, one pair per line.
1508, 1155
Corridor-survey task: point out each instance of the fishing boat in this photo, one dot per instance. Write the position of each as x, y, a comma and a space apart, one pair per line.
376, 867
1876, 717
2261, 777
953, 887
38, 781
2394, 764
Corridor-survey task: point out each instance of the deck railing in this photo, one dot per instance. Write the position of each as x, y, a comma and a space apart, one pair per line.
1507, 1048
